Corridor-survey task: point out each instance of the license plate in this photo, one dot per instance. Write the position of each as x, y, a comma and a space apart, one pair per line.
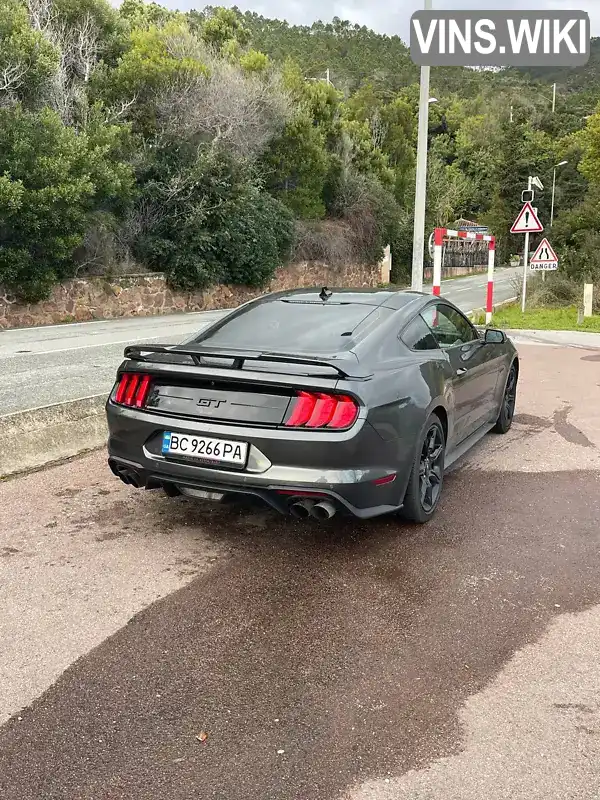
219, 451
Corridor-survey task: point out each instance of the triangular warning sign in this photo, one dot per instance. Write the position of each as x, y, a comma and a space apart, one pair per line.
527, 221
544, 254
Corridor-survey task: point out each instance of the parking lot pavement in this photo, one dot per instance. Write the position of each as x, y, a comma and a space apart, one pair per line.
268, 659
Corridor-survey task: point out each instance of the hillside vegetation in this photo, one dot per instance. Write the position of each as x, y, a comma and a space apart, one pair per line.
211, 146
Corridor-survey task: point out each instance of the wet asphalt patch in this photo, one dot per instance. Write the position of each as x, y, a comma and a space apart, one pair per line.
312, 657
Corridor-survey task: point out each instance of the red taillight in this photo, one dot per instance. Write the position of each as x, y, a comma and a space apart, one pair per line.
321, 410
344, 414
133, 389
303, 409
121, 388
130, 391
142, 392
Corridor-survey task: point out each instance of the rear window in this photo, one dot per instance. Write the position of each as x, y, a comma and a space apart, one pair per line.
296, 327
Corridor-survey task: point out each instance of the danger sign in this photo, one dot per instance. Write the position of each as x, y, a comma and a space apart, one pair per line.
527, 221
544, 257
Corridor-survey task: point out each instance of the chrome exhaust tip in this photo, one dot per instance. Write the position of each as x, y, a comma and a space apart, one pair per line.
323, 510
301, 509
135, 480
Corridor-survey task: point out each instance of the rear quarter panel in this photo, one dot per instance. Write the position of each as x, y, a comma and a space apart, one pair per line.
403, 396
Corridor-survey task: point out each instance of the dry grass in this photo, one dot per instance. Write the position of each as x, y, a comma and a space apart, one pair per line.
557, 291
328, 241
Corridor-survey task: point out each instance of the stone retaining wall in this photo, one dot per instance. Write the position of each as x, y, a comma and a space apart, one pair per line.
454, 272
147, 295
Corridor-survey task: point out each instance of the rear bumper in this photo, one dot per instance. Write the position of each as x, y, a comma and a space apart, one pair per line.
362, 474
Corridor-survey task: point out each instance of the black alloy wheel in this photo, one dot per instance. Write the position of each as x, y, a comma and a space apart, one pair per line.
431, 468
427, 477
509, 401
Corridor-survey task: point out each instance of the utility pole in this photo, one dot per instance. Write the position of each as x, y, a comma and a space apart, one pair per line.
554, 99
421, 181
328, 81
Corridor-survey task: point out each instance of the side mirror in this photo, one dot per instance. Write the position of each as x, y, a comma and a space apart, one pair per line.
494, 336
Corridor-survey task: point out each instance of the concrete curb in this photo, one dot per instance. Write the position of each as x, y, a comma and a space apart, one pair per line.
585, 340
40, 436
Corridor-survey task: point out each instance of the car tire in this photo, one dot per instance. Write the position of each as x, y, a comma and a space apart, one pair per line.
509, 399
427, 475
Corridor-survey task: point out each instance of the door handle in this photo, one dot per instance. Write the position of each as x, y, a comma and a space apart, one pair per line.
461, 371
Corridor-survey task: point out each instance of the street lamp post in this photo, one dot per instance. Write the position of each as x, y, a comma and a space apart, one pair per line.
560, 164
421, 180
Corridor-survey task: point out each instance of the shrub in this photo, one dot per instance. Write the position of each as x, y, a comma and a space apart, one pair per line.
328, 241
296, 165
203, 221
52, 180
371, 212
557, 290
256, 240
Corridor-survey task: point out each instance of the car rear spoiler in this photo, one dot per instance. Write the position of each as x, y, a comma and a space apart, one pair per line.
136, 352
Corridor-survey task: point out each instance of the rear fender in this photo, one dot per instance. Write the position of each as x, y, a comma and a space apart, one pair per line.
440, 408
424, 417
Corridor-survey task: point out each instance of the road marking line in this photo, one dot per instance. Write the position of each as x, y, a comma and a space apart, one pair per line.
89, 346
61, 325
77, 347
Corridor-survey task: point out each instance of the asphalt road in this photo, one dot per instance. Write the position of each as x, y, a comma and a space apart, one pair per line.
56, 363
164, 649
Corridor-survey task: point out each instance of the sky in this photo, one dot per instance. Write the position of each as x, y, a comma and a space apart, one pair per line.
380, 15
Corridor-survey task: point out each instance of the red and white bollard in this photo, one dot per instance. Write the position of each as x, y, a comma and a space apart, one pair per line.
438, 249
489, 306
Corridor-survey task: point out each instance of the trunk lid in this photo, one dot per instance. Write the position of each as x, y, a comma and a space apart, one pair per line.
220, 401
237, 387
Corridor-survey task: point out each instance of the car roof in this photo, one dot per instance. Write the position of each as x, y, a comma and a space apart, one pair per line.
368, 296
362, 312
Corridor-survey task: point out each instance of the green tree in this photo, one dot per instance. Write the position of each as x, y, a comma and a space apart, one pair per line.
576, 234
208, 222
590, 138
139, 14
53, 181
222, 27
27, 58
157, 60
296, 167
448, 192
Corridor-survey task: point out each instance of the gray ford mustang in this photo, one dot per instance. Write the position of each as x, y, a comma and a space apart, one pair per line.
316, 401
